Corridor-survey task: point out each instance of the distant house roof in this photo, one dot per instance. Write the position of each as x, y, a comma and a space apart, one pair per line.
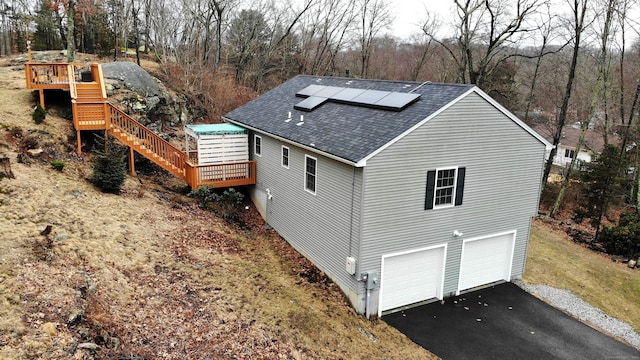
593, 139
346, 118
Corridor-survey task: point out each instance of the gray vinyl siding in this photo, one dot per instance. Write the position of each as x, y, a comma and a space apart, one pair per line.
323, 227
503, 172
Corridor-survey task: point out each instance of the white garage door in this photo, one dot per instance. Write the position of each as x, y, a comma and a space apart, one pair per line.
486, 260
411, 277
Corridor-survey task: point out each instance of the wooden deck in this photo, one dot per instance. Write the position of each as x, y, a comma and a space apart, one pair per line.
92, 111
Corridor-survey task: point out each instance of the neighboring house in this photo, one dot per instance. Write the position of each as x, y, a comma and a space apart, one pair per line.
593, 144
399, 191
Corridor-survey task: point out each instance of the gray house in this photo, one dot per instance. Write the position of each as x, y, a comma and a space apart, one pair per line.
401, 192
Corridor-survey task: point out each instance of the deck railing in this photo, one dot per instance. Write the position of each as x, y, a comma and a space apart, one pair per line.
51, 76
225, 174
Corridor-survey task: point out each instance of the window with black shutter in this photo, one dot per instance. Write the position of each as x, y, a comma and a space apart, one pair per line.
445, 187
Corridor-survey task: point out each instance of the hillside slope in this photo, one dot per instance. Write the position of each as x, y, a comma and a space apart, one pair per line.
146, 273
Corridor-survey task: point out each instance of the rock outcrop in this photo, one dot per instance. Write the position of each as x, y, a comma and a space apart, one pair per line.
139, 93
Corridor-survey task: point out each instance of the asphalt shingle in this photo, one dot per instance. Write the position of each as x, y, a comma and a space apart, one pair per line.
347, 131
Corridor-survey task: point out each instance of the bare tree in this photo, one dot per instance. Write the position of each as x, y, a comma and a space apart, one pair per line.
169, 30
6, 12
136, 30
547, 32
71, 39
147, 25
375, 15
220, 8
578, 25
487, 31
323, 33
603, 72
429, 26
116, 9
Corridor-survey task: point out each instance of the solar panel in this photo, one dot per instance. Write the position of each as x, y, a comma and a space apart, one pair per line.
397, 101
310, 103
347, 94
310, 90
328, 91
317, 95
369, 97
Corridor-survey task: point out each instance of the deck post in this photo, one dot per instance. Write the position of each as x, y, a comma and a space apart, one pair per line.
41, 91
79, 142
132, 166
191, 175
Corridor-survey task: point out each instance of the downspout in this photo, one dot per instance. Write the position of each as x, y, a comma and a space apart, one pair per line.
353, 190
367, 307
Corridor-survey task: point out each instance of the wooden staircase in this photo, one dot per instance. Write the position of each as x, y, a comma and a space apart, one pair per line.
139, 138
92, 111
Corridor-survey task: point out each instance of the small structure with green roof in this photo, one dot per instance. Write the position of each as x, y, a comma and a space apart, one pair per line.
216, 143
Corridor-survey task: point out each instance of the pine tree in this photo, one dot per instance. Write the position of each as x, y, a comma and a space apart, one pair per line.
603, 182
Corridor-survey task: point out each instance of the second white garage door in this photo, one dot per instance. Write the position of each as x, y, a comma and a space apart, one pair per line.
486, 260
411, 277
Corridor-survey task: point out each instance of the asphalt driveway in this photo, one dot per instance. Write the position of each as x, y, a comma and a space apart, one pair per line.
504, 322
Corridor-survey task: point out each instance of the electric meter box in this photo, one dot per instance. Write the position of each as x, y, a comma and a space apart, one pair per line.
351, 265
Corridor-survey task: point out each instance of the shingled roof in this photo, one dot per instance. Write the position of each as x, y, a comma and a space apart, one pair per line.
593, 141
346, 131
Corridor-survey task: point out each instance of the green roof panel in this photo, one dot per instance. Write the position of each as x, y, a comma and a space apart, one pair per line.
215, 129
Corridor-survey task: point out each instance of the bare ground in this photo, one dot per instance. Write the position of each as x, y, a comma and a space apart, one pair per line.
146, 274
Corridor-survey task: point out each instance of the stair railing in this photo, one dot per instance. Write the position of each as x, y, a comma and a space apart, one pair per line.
145, 141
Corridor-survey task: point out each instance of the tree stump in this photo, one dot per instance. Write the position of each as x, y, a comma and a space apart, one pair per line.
6, 166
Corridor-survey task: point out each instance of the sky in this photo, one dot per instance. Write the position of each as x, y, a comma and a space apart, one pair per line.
409, 14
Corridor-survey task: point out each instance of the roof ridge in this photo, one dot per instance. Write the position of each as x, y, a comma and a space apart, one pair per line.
386, 80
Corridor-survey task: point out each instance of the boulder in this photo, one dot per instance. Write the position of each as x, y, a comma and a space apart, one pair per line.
134, 90
133, 77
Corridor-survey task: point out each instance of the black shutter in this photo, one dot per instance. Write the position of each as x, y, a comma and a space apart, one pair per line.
431, 187
460, 186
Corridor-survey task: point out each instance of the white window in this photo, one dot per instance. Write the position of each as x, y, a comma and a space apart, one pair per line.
444, 187
257, 145
310, 173
285, 157
568, 153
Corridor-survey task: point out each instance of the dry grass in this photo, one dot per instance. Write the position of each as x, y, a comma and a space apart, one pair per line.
156, 279
557, 261
146, 274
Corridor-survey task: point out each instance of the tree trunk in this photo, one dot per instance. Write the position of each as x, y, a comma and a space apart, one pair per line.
579, 15
637, 183
147, 25
534, 79
136, 30
627, 128
71, 40
567, 178
219, 8
600, 84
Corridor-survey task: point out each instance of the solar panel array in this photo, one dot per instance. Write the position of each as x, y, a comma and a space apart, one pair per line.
317, 95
